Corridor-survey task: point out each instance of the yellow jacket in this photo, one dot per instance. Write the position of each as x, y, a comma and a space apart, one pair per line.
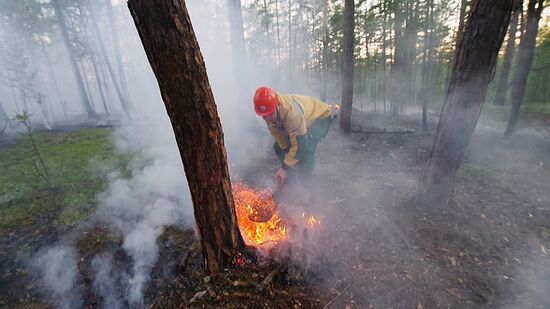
295, 114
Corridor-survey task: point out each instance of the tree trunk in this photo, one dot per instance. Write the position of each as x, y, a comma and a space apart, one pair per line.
99, 84
461, 22
426, 86
348, 62
118, 54
278, 41
238, 49
500, 96
118, 88
324, 82
173, 51
396, 71
88, 107
384, 46
289, 45
524, 62
476, 57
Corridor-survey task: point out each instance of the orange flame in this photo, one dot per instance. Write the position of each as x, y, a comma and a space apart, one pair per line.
257, 205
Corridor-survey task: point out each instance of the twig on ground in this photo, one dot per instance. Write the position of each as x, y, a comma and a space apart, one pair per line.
336, 297
270, 276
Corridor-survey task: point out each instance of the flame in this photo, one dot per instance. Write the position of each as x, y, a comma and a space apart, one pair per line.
252, 206
259, 221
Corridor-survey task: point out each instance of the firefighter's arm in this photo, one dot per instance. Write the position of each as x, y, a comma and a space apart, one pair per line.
280, 137
296, 126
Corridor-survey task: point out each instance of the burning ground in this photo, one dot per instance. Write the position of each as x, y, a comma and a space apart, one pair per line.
374, 247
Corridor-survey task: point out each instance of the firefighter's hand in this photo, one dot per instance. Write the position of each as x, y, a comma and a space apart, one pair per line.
280, 177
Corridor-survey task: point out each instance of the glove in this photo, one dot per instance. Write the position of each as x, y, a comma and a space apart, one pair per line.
281, 176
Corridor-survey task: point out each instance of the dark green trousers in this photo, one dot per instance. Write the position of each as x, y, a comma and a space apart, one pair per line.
307, 145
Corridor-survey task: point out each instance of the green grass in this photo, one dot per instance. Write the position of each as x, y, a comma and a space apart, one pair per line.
25, 196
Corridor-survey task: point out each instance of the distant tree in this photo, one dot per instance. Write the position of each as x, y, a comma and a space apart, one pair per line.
171, 46
524, 61
500, 95
238, 48
348, 63
476, 57
58, 10
426, 85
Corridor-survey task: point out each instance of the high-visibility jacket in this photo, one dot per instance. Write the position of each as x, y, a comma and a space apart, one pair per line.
294, 115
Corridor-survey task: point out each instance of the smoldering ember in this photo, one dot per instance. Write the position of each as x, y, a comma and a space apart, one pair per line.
274, 154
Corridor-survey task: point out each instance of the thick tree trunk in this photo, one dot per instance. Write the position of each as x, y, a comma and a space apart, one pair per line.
347, 72
524, 62
500, 96
88, 107
173, 51
476, 57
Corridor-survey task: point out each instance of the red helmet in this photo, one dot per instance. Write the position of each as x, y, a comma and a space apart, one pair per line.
265, 101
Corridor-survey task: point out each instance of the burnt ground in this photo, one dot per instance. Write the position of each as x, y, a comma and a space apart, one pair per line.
376, 248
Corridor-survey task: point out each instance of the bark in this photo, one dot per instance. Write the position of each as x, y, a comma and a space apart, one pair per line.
473, 70
172, 49
88, 107
500, 96
348, 61
461, 22
524, 62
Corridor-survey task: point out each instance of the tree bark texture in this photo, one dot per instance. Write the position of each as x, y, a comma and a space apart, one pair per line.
173, 51
500, 95
461, 22
88, 107
347, 85
476, 57
523, 63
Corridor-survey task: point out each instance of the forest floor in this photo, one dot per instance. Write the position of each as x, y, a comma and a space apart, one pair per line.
375, 248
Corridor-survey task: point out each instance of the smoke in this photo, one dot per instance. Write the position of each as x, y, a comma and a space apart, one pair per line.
104, 281
58, 271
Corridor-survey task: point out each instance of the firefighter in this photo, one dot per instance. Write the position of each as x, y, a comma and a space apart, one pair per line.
297, 123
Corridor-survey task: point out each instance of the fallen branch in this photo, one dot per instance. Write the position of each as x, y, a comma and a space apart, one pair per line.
336, 297
270, 276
